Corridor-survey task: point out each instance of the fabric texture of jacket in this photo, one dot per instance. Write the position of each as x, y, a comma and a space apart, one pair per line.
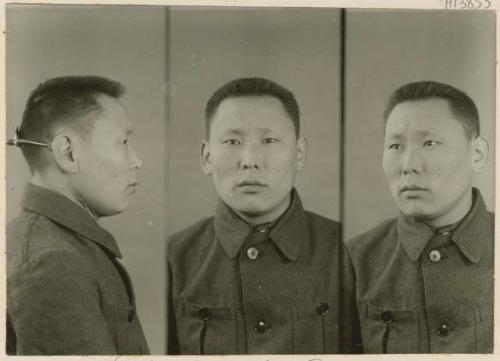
66, 291
425, 290
280, 289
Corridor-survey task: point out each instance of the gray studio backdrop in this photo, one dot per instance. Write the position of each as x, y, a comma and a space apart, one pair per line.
171, 62
126, 44
386, 49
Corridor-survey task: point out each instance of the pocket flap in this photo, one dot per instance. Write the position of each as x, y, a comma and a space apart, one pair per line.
388, 314
207, 311
318, 308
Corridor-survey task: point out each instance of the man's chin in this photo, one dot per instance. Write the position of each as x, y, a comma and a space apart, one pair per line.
416, 212
251, 211
110, 211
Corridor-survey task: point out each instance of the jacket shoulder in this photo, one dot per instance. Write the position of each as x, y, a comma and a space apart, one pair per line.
191, 234
372, 237
491, 216
31, 235
318, 221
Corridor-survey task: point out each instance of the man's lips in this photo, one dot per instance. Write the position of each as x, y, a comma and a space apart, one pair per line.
254, 183
410, 188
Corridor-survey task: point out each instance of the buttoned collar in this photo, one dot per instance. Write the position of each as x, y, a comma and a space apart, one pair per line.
289, 232
68, 214
469, 235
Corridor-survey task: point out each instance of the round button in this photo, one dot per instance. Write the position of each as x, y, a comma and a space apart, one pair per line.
204, 314
387, 316
252, 253
444, 330
435, 255
263, 230
261, 327
323, 309
445, 233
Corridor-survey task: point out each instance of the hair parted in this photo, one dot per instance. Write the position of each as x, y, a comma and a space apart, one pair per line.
63, 101
461, 105
253, 87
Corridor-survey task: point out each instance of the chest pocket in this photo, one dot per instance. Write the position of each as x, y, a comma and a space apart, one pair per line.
315, 328
484, 330
388, 330
206, 330
128, 337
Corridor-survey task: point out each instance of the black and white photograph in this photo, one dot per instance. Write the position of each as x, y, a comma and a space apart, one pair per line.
249, 180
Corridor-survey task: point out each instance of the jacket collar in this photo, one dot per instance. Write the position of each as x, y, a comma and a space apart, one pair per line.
469, 235
68, 214
289, 232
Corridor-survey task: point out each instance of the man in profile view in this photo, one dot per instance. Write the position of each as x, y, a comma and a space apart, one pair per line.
424, 280
67, 293
262, 276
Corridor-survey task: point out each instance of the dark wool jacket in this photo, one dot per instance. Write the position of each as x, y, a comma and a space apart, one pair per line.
236, 289
66, 291
422, 290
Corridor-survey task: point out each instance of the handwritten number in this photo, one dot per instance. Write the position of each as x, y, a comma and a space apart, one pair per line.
467, 4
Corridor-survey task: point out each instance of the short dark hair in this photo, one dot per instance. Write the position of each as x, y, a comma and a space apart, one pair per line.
67, 100
253, 87
461, 105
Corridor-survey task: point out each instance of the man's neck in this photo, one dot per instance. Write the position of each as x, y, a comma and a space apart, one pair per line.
55, 184
268, 217
459, 212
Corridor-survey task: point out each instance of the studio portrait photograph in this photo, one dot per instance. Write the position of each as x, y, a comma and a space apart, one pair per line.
249, 179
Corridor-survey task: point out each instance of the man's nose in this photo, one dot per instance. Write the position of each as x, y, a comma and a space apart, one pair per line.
135, 162
250, 157
412, 162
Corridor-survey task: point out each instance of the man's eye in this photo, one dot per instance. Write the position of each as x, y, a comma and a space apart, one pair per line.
430, 143
231, 141
270, 140
395, 146
125, 141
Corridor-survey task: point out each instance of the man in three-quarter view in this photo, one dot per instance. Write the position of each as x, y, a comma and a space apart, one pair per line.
424, 280
67, 293
262, 276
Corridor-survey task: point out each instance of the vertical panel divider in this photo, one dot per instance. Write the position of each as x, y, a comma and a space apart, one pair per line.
167, 88
342, 64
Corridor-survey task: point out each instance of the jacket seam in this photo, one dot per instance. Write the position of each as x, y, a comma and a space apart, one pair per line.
28, 239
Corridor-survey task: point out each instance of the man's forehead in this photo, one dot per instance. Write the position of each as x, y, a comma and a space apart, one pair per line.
422, 116
251, 111
245, 128
112, 117
249, 103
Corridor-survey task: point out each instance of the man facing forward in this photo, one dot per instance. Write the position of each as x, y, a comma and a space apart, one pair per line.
66, 291
424, 281
262, 275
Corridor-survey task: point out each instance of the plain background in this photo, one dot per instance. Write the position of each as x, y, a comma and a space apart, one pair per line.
126, 44
297, 48
386, 49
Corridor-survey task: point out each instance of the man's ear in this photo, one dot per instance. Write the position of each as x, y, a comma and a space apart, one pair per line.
302, 147
64, 155
480, 152
205, 157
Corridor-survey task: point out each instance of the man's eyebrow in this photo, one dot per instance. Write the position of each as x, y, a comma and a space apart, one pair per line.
268, 130
396, 136
425, 133
238, 131
232, 131
129, 131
